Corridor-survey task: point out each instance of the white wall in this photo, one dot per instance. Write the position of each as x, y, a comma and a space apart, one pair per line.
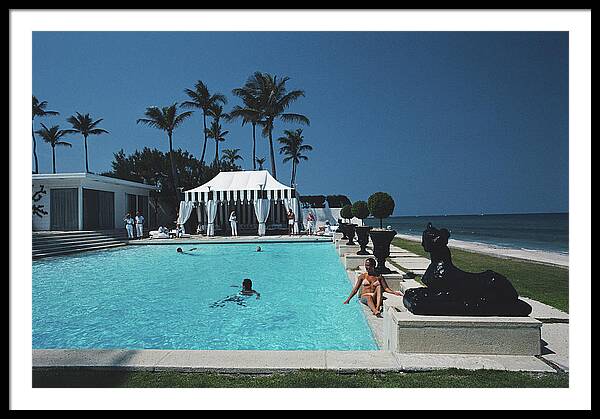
43, 224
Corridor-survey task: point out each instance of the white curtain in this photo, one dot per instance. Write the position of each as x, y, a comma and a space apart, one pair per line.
261, 209
211, 214
185, 210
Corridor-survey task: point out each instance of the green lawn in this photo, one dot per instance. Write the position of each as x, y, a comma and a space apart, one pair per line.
544, 283
451, 378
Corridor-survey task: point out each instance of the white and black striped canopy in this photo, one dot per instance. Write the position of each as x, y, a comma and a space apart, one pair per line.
241, 186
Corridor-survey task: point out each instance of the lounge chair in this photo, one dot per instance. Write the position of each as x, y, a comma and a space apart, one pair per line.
181, 235
158, 235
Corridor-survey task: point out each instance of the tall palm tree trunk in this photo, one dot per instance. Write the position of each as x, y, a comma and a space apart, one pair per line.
87, 169
173, 171
254, 146
34, 148
205, 139
53, 160
273, 169
216, 153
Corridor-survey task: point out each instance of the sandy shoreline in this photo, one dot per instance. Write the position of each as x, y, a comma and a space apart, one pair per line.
541, 256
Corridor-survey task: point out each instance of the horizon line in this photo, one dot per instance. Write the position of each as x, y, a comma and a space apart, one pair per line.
479, 215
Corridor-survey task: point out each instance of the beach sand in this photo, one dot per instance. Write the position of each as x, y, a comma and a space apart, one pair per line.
551, 258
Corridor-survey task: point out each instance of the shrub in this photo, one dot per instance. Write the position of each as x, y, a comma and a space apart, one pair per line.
338, 201
346, 212
381, 205
360, 210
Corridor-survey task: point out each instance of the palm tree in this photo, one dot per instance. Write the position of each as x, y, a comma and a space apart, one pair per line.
84, 125
231, 156
39, 109
215, 133
249, 113
216, 112
293, 148
202, 99
166, 119
274, 99
260, 161
53, 137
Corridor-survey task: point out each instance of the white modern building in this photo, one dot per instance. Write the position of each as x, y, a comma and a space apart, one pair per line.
85, 201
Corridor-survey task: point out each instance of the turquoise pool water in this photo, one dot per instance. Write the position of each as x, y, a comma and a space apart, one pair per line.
151, 297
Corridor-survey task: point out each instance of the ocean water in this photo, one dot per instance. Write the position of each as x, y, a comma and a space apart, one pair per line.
151, 297
547, 232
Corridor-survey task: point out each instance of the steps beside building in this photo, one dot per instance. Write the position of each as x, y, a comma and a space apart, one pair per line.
53, 243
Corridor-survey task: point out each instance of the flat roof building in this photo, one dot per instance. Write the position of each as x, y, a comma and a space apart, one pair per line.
85, 201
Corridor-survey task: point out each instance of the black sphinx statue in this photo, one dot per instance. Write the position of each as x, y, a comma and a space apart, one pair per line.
450, 291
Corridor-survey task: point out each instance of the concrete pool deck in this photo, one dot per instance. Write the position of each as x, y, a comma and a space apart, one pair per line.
266, 362
553, 359
554, 331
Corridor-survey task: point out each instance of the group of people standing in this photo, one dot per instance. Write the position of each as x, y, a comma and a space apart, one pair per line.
233, 222
134, 225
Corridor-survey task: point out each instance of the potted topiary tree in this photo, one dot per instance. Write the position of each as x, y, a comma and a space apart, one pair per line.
349, 228
381, 205
360, 210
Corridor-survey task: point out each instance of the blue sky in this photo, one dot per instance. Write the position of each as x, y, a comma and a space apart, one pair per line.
446, 122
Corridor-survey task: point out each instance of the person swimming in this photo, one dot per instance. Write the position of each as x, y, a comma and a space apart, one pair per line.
258, 249
238, 299
180, 250
247, 288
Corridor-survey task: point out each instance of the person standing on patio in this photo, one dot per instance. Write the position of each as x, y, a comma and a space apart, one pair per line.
129, 225
290, 217
139, 225
310, 219
233, 222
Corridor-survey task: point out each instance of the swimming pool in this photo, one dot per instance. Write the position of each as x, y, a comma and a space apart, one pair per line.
151, 297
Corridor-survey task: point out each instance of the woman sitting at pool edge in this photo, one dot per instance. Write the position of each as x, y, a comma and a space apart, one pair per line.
373, 286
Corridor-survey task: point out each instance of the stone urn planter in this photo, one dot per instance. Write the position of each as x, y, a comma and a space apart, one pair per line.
381, 247
350, 231
362, 232
342, 229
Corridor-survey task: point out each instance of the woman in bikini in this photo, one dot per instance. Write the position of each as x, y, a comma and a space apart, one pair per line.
373, 286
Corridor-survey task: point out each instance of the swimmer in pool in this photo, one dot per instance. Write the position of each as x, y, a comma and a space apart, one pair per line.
180, 250
247, 288
258, 249
238, 298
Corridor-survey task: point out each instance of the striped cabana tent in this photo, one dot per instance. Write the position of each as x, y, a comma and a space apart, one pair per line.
258, 199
